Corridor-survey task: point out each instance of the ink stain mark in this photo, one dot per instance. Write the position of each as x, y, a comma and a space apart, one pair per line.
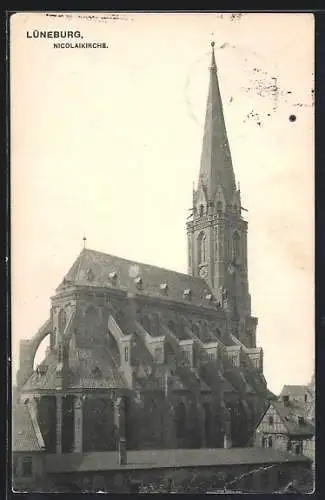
236, 17
292, 118
227, 45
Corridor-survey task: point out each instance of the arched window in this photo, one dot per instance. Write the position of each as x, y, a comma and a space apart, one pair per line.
155, 325
180, 420
102, 436
236, 245
91, 321
201, 210
126, 353
146, 323
196, 330
218, 333
202, 248
219, 206
270, 442
172, 327
62, 320
207, 422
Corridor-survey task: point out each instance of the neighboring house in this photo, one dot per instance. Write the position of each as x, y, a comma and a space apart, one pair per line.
27, 447
284, 427
303, 398
298, 394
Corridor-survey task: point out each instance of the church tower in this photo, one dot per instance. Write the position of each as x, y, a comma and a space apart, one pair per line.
217, 233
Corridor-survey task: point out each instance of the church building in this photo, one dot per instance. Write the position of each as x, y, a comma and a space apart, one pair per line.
150, 357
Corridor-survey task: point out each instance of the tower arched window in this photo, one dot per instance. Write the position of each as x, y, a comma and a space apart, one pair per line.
202, 248
201, 210
219, 206
236, 245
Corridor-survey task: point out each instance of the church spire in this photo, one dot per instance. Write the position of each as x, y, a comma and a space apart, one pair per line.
216, 165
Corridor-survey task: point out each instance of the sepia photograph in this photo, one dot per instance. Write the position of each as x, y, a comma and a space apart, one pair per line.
162, 252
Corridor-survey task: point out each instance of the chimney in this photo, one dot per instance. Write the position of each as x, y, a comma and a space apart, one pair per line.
122, 453
285, 400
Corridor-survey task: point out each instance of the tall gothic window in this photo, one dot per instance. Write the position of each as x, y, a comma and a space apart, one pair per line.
180, 420
62, 320
155, 325
207, 422
236, 246
146, 323
202, 248
90, 321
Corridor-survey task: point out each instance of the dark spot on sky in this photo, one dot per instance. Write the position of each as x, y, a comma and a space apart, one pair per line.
292, 118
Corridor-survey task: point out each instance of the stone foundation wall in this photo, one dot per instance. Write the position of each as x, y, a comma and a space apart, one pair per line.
243, 478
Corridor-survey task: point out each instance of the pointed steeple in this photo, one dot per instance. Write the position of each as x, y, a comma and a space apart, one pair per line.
216, 164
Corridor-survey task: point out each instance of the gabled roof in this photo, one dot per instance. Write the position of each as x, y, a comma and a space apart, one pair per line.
24, 434
294, 390
289, 414
95, 269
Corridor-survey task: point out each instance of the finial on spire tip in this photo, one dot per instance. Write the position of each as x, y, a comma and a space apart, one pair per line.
84, 240
213, 44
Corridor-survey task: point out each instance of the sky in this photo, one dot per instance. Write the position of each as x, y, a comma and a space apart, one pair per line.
107, 143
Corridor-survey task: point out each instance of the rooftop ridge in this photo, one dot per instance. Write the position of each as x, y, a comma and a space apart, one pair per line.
196, 278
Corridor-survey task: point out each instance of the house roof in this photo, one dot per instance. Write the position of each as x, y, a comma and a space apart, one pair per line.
294, 390
289, 414
95, 269
24, 436
152, 459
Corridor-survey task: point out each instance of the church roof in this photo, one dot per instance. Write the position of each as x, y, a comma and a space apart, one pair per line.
90, 368
216, 163
96, 269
